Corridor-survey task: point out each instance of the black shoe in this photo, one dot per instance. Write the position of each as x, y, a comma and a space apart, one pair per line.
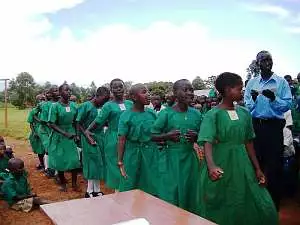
87, 195
97, 194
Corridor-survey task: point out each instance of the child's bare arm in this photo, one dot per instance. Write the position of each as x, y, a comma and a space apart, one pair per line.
57, 129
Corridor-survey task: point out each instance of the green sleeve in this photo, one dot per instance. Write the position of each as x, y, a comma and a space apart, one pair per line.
161, 123
44, 112
198, 119
8, 191
81, 113
208, 129
53, 113
123, 127
30, 116
103, 115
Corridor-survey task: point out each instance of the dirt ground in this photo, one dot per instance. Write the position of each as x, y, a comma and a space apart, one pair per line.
46, 188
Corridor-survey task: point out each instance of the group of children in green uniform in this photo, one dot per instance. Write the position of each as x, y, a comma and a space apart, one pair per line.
142, 149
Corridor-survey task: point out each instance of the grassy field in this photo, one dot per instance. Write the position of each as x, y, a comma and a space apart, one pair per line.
17, 126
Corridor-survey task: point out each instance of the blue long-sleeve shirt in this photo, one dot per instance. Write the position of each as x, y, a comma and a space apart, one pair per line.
263, 107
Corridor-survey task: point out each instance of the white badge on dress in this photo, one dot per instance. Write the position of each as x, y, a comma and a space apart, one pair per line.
98, 110
233, 115
68, 109
122, 106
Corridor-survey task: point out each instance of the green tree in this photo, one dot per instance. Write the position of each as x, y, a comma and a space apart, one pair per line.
22, 90
198, 83
75, 90
159, 88
93, 88
252, 70
210, 82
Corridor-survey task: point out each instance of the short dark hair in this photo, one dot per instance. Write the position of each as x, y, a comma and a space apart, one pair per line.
177, 84
61, 87
115, 80
225, 80
102, 91
288, 77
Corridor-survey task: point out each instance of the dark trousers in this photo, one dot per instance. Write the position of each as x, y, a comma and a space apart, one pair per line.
269, 148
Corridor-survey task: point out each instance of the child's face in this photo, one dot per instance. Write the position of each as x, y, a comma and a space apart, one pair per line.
170, 99
2, 150
65, 92
185, 93
202, 100
143, 96
156, 100
102, 99
55, 92
236, 93
18, 170
118, 89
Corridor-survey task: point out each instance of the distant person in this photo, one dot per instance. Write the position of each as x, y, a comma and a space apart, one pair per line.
297, 92
34, 138
52, 96
268, 97
3, 158
93, 155
231, 180
156, 103
16, 189
170, 99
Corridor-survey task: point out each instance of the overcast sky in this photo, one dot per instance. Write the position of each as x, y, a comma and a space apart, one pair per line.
145, 40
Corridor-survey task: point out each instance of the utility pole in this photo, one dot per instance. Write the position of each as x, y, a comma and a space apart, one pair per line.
5, 102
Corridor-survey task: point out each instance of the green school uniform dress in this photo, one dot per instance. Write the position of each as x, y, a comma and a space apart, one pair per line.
179, 167
63, 155
43, 130
296, 119
237, 198
141, 154
92, 156
3, 163
13, 187
34, 139
111, 112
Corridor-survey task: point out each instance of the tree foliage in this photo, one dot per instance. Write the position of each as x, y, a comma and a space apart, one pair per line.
22, 90
252, 70
198, 83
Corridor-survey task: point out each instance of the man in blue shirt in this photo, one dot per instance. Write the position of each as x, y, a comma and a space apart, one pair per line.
268, 97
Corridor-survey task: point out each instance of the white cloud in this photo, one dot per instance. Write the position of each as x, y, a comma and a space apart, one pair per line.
293, 30
162, 51
270, 9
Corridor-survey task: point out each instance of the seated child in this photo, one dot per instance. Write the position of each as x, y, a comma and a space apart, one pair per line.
3, 158
16, 189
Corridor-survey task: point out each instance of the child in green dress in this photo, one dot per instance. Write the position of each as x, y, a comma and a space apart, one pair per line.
232, 191
179, 167
137, 154
16, 189
34, 139
3, 158
52, 96
111, 112
92, 149
170, 100
63, 155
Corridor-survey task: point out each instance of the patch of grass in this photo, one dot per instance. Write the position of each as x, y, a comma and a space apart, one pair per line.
17, 123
